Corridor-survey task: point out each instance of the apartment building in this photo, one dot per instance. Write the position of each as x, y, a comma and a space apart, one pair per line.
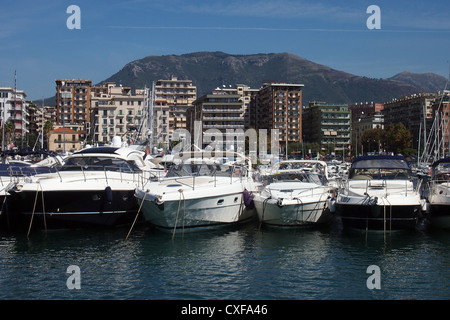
73, 101
361, 125
279, 106
116, 111
162, 133
64, 140
221, 110
172, 98
248, 98
438, 133
415, 112
328, 124
364, 109
14, 108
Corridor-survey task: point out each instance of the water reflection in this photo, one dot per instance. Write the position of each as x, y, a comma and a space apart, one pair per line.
242, 262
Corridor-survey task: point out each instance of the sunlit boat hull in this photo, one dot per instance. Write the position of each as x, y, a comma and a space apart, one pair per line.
439, 194
292, 212
94, 188
379, 195
194, 211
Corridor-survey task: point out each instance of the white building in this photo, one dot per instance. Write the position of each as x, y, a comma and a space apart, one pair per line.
116, 111
14, 109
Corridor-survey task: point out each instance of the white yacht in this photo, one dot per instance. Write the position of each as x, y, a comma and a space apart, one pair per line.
199, 192
13, 171
94, 187
296, 193
439, 194
379, 194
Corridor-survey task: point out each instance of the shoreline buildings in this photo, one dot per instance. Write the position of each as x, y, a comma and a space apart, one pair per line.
14, 109
234, 110
329, 125
97, 113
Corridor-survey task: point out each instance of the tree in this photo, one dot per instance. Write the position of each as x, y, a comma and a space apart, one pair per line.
397, 137
371, 139
48, 126
9, 132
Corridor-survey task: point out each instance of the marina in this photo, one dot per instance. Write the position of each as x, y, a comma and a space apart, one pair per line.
224, 158
248, 260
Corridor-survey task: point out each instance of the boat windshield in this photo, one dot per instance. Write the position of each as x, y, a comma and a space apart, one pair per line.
441, 172
298, 177
379, 173
99, 163
203, 169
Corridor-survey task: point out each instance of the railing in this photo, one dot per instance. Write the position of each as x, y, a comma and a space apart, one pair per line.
236, 174
381, 184
440, 187
18, 174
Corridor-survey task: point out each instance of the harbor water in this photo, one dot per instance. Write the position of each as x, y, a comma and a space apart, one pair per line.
244, 262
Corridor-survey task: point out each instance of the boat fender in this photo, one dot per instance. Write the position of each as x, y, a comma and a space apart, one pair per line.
372, 201
248, 199
331, 202
280, 202
109, 195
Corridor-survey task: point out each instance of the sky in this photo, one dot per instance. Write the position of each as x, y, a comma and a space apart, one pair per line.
39, 43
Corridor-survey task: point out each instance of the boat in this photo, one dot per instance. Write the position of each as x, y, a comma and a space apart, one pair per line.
439, 194
201, 191
296, 193
14, 170
379, 194
94, 187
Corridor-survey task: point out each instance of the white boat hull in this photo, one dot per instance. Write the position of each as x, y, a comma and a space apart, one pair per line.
293, 204
187, 212
394, 206
292, 212
439, 205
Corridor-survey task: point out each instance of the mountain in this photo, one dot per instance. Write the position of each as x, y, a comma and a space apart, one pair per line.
428, 82
209, 70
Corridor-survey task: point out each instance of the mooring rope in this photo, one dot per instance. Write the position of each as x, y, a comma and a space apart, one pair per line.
178, 211
32, 213
137, 214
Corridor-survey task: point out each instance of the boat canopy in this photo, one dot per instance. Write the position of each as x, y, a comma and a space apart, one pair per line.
205, 169
97, 162
305, 177
441, 161
381, 162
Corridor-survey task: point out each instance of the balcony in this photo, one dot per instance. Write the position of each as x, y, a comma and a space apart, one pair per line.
223, 126
223, 118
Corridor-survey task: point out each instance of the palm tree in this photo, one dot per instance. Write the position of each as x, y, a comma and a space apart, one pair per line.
48, 126
9, 131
